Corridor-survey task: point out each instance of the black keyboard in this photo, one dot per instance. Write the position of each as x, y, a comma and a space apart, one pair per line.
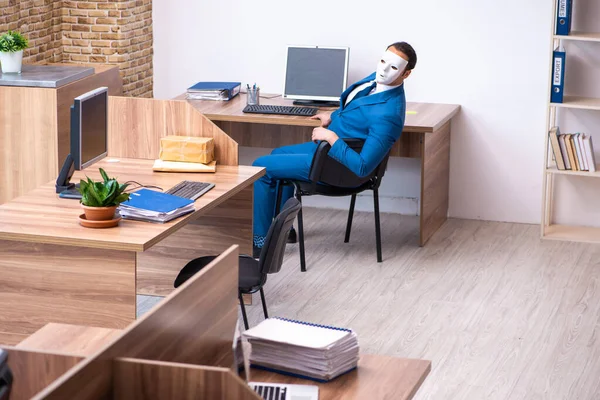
190, 189
281, 110
270, 392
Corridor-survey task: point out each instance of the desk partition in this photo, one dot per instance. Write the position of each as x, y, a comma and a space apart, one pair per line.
136, 125
181, 349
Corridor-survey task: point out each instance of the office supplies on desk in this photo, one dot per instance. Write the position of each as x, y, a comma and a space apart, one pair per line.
187, 149
190, 189
149, 205
278, 391
64, 187
315, 75
223, 91
302, 349
89, 127
253, 95
558, 75
281, 110
564, 17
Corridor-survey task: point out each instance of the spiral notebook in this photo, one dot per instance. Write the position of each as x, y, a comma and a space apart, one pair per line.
299, 348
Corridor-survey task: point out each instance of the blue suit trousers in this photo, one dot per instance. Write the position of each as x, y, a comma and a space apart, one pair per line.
288, 162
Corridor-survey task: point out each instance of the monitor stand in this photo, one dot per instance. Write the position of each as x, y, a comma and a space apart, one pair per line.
317, 103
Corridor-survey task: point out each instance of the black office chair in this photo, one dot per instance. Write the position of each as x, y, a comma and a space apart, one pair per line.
253, 273
328, 177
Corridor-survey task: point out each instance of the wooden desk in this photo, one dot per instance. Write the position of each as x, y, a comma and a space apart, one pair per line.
54, 270
377, 377
426, 136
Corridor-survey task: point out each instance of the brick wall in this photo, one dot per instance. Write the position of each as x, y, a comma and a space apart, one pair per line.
39, 21
102, 32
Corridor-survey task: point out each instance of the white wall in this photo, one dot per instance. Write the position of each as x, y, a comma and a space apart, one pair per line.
491, 57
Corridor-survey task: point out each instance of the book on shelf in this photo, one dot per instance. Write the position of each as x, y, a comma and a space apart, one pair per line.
589, 152
572, 151
297, 348
222, 91
152, 206
563, 151
558, 157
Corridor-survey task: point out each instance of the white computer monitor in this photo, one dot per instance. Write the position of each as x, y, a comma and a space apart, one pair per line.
89, 127
315, 73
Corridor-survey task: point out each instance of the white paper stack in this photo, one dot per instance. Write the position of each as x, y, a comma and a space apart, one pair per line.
299, 348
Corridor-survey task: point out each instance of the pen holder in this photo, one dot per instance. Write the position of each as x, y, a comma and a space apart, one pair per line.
253, 96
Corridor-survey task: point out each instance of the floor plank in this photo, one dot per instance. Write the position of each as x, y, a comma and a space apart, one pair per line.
501, 313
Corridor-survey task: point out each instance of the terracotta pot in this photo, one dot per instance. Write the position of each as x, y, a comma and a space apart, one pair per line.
99, 213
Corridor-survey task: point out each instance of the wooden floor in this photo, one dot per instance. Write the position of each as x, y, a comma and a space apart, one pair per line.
501, 314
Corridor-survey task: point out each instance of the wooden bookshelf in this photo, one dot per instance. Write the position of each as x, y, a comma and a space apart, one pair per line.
554, 170
550, 230
581, 36
585, 103
587, 234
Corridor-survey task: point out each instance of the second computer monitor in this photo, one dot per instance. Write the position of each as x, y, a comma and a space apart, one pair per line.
89, 126
315, 73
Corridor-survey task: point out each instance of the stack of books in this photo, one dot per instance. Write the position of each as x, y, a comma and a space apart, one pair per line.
301, 349
151, 206
572, 151
222, 91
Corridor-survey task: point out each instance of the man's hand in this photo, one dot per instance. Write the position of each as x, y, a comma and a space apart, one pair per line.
324, 134
325, 118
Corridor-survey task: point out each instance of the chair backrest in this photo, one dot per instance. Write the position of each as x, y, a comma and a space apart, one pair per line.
271, 255
325, 169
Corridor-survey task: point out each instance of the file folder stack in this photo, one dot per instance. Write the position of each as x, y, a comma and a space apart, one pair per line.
151, 206
213, 91
301, 349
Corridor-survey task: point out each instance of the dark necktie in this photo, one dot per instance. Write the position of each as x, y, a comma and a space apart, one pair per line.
364, 92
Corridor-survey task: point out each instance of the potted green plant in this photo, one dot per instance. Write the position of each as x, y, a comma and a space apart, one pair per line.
12, 44
100, 199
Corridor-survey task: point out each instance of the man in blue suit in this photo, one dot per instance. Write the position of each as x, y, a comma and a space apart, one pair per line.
372, 109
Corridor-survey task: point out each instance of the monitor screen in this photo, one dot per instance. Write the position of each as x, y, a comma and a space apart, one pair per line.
315, 73
89, 127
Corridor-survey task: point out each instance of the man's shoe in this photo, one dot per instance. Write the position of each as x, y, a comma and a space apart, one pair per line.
256, 251
292, 237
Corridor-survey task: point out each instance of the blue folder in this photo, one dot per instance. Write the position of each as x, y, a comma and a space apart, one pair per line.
564, 16
558, 75
145, 199
231, 88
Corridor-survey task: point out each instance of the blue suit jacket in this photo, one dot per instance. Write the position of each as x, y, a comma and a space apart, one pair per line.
377, 118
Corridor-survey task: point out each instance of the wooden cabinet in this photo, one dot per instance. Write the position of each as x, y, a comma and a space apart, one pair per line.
35, 129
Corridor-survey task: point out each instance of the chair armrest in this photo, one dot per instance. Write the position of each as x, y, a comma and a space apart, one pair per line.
318, 161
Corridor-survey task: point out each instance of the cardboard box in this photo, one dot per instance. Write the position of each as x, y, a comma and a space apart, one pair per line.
187, 149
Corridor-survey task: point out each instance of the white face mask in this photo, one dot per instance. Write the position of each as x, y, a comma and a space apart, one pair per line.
390, 68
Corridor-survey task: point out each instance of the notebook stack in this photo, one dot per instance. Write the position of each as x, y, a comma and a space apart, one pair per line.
151, 206
222, 91
301, 349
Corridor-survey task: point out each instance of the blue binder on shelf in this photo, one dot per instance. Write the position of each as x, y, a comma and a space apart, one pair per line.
219, 90
558, 75
564, 16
